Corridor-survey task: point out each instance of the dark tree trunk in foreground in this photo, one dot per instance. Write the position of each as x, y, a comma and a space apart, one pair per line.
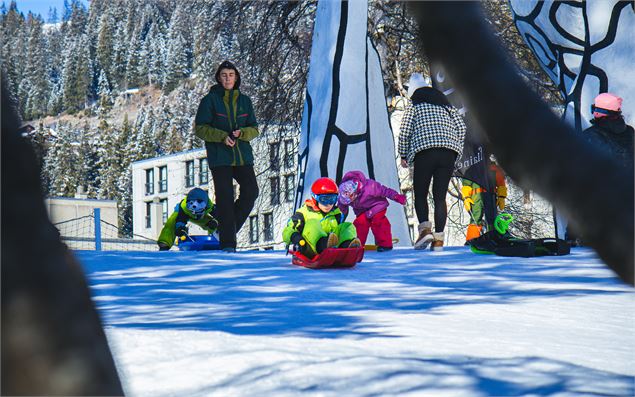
53, 342
535, 148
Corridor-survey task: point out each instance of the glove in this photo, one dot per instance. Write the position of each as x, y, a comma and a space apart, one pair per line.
468, 201
501, 195
296, 241
400, 198
212, 224
181, 230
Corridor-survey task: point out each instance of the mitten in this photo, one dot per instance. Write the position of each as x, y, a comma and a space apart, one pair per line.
466, 192
400, 198
296, 241
501, 195
181, 229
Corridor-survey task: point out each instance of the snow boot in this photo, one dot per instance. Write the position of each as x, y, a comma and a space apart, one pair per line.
425, 235
352, 243
437, 242
333, 241
383, 249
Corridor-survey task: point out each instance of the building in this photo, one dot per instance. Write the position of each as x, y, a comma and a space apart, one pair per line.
160, 183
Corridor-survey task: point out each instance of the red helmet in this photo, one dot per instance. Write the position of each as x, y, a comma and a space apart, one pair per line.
324, 185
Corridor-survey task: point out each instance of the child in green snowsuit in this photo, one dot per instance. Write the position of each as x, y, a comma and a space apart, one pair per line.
196, 208
318, 224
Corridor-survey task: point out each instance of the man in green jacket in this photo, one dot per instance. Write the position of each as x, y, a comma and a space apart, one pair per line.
226, 121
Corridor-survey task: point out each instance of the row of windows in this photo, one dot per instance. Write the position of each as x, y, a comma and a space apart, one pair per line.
289, 189
267, 230
274, 154
164, 212
203, 176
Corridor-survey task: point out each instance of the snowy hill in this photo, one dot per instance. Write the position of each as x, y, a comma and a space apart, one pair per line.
400, 323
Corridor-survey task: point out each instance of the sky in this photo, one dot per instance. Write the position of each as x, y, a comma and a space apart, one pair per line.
401, 323
41, 6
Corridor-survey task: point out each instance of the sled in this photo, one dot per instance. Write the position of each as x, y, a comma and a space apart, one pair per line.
330, 258
526, 248
198, 243
373, 247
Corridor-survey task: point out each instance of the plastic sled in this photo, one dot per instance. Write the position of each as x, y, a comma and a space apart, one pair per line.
199, 243
330, 258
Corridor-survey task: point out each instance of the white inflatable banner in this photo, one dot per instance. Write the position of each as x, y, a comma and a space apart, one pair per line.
345, 124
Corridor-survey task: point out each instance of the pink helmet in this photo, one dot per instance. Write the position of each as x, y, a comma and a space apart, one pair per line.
606, 104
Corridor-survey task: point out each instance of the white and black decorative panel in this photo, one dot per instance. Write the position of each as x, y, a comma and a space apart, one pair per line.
345, 124
585, 47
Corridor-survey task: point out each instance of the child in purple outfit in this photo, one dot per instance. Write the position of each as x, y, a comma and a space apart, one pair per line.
369, 201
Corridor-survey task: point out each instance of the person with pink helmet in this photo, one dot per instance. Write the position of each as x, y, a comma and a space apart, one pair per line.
609, 131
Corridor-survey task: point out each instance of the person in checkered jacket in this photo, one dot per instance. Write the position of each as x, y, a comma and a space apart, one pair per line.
431, 138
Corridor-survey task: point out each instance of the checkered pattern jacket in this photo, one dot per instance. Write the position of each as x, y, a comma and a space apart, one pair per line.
426, 126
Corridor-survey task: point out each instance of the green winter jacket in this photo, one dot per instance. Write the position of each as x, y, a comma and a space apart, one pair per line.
310, 211
219, 113
181, 216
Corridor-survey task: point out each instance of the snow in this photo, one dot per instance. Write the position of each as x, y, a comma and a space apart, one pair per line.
400, 323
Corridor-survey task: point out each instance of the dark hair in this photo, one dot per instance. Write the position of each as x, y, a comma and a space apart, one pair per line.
227, 65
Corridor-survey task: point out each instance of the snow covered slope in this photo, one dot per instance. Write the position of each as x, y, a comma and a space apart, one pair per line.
400, 323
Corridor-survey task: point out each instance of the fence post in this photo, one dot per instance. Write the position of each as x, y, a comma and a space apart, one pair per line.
97, 213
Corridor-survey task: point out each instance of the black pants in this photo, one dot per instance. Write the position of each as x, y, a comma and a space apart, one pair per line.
436, 165
232, 215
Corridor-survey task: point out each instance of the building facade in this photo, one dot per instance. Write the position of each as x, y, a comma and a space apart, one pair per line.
160, 183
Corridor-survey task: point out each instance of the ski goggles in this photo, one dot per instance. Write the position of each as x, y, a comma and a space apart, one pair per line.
606, 112
326, 199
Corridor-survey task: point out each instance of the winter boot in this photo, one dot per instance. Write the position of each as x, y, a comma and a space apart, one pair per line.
425, 235
473, 231
355, 243
332, 241
437, 242
383, 249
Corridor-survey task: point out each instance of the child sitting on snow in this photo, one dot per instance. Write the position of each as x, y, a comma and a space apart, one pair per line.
318, 225
196, 208
368, 199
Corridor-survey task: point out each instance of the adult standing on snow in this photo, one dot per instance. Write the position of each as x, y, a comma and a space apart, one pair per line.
225, 120
431, 138
609, 131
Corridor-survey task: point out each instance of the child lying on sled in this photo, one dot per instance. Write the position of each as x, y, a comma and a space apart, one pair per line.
317, 225
369, 201
196, 208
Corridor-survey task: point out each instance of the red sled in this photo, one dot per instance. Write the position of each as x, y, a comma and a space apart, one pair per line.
330, 258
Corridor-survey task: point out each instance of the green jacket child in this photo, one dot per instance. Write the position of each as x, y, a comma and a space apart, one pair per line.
318, 224
196, 208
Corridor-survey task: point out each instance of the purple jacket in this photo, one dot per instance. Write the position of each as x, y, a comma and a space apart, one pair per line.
371, 198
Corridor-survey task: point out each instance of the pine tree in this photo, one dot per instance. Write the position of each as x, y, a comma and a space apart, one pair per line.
104, 51
179, 50
133, 78
105, 95
36, 72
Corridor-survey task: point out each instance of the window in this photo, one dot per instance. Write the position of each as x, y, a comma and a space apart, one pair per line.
274, 156
268, 227
289, 187
275, 190
253, 229
149, 181
289, 154
189, 173
164, 210
148, 215
163, 179
203, 172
